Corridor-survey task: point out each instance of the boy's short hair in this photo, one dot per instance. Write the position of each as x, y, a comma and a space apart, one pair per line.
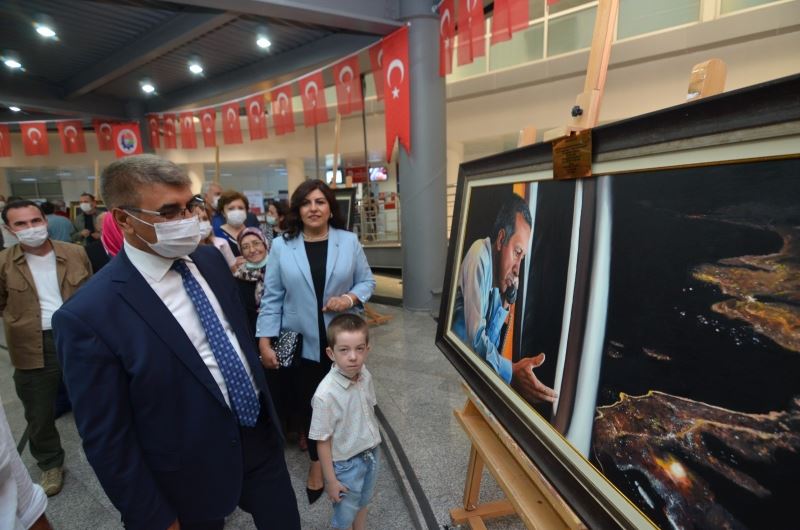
346, 322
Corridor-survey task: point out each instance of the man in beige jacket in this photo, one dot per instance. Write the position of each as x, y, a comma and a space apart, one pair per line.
36, 277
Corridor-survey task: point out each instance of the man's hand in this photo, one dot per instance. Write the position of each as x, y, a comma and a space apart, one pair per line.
335, 490
524, 381
84, 233
267, 355
238, 263
337, 304
95, 235
175, 525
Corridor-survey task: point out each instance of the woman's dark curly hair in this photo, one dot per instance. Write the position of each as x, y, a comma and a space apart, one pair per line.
293, 222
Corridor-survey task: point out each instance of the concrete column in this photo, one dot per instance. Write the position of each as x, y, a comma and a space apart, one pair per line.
423, 178
296, 170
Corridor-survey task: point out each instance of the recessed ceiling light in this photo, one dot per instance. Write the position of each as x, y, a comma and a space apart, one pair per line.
45, 31
14, 108
28, 179
263, 42
12, 63
147, 86
195, 66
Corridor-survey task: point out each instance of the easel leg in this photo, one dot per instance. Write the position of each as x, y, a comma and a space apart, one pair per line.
472, 489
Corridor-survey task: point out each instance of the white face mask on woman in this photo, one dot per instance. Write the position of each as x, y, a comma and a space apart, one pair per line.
174, 239
236, 217
205, 229
33, 237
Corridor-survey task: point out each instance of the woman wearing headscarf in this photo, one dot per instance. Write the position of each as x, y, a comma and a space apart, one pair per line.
315, 269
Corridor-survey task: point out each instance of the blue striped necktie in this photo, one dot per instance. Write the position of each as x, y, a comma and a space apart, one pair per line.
243, 397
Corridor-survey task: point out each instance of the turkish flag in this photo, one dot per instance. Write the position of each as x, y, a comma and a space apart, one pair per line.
170, 136
312, 93
256, 119
5, 141
282, 112
471, 31
102, 128
509, 17
376, 60
34, 138
208, 120
447, 36
127, 139
397, 98
348, 85
231, 128
71, 134
188, 133
152, 125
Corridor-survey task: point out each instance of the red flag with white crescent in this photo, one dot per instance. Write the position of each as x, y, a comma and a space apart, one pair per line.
447, 36
34, 138
312, 93
5, 141
102, 128
509, 17
71, 135
152, 127
188, 132
127, 139
208, 121
256, 119
231, 127
471, 31
170, 132
348, 85
376, 61
282, 112
397, 97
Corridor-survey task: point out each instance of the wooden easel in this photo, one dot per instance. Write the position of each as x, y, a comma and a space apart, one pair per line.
374, 318
528, 493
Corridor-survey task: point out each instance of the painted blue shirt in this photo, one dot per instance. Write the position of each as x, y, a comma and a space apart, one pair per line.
479, 314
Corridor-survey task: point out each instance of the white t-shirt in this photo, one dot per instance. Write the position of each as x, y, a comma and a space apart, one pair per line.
45, 276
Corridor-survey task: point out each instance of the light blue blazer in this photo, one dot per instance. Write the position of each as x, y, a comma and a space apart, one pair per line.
289, 301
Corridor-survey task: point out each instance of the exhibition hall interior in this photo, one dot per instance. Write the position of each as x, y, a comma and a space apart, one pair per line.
399, 264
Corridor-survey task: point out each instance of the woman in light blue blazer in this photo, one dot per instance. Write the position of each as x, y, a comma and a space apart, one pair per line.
314, 272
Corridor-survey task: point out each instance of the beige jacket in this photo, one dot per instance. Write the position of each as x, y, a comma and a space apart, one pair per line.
19, 301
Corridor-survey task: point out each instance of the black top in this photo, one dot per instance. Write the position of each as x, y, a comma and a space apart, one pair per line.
317, 253
231, 243
97, 255
88, 222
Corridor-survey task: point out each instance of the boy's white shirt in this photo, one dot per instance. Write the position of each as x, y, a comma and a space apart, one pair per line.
345, 409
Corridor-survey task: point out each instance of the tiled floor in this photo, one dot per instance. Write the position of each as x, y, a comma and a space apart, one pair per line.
417, 391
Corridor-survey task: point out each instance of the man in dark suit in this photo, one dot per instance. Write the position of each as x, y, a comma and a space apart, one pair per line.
169, 396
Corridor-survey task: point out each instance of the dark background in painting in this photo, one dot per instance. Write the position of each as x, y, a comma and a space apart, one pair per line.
655, 304
547, 278
484, 204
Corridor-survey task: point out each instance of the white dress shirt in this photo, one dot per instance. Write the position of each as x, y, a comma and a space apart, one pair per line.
168, 285
45, 277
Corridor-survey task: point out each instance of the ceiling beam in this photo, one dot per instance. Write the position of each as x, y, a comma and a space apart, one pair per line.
42, 98
164, 38
305, 57
376, 17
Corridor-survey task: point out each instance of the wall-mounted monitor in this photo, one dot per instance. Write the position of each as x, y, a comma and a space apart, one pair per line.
378, 173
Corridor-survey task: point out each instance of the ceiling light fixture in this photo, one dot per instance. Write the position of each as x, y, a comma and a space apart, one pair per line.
147, 86
194, 65
14, 108
45, 31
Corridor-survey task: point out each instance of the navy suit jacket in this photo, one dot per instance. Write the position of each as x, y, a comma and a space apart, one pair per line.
154, 424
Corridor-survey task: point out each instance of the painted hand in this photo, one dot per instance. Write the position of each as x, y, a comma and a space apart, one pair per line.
524, 381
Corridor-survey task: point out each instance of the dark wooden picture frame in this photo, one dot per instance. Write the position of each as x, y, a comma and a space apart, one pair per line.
755, 123
346, 197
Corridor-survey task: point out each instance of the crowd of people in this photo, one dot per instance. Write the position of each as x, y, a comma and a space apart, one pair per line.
157, 319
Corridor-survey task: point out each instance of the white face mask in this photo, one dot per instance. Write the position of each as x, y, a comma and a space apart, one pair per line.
271, 221
86, 207
205, 229
33, 237
215, 201
236, 217
174, 239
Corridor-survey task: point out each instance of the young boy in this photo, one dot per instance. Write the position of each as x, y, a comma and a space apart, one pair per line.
344, 423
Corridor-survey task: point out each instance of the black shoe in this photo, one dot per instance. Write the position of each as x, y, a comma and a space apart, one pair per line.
314, 495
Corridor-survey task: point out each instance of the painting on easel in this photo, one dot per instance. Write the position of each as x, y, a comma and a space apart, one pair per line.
638, 333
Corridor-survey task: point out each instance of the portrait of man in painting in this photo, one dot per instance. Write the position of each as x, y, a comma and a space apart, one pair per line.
659, 313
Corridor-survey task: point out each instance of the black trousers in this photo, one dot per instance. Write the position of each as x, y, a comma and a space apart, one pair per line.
311, 375
267, 492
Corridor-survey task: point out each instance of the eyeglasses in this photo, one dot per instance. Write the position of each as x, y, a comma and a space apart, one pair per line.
255, 245
171, 212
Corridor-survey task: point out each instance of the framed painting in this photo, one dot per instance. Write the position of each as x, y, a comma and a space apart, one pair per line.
346, 197
638, 332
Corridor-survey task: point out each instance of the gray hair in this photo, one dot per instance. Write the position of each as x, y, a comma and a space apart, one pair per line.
122, 181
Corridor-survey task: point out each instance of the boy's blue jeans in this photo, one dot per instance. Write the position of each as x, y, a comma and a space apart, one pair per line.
359, 474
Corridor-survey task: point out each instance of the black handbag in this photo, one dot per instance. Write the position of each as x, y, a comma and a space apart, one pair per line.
288, 348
